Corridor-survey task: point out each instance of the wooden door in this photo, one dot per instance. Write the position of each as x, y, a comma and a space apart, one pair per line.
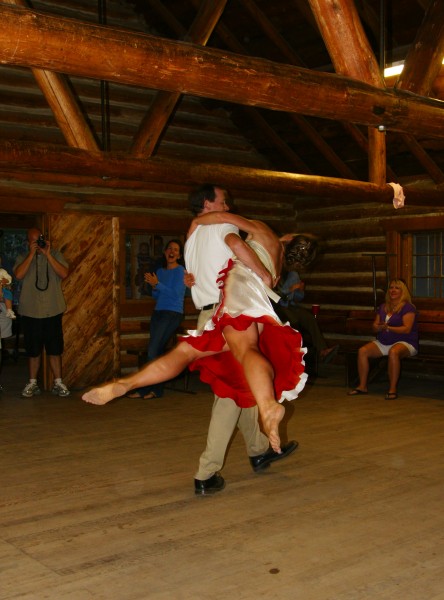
90, 244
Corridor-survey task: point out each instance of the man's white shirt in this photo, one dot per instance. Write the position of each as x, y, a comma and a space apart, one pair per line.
205, 254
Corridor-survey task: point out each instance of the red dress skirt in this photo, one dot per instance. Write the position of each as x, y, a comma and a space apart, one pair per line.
243, 300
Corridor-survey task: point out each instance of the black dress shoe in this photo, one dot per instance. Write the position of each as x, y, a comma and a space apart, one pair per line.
261, 462
204, 487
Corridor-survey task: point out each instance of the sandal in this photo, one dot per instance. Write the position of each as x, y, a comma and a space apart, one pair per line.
356, 392
150, 396
391, 396
133, 395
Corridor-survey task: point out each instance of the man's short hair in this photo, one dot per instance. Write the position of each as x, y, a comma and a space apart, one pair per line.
197, 197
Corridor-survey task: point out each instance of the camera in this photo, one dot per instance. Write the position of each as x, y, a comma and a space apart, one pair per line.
41, 243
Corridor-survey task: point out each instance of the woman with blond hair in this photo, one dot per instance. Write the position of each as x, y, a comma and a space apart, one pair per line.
396, 331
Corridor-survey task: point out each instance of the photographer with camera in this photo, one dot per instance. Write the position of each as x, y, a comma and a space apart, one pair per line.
41, 307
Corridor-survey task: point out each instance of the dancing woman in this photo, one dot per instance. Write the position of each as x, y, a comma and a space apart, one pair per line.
244, 322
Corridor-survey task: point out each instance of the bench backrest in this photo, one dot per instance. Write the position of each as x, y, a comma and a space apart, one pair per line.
430, 326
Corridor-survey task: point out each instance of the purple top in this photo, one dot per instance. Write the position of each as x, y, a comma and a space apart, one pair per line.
391, 337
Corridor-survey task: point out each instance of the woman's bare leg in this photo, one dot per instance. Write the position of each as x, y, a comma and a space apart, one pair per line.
162, 369
259, 375
366, 352
396, 353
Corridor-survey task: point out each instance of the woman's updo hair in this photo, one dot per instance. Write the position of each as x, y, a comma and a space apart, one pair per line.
301, 251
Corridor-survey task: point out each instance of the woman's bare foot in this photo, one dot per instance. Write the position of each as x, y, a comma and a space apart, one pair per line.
102, 395
270, 422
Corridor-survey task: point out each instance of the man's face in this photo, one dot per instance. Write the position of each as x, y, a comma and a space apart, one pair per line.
33, 235
219, 204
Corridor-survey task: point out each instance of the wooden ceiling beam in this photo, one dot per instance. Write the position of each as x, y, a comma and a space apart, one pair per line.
362, 142
39, 158
308, 130
339, 25
352, 55
164, 104
347, 44
59, 162
64, 106
64, 45
421, 68
424, 59
233, 44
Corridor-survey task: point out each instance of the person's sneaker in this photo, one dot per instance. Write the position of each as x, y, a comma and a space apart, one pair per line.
31, 389
10, 314
60, 389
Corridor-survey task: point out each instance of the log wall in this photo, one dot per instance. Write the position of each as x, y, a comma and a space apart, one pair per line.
340, 281
342, 278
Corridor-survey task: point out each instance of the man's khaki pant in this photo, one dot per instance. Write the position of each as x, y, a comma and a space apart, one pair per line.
226, 415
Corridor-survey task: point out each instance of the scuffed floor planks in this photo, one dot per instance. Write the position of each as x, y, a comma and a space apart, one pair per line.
98, 502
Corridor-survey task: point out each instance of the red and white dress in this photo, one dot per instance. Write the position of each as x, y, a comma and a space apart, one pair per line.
245, 299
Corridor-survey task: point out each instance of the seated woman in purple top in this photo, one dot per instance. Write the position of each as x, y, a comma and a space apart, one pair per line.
396, 331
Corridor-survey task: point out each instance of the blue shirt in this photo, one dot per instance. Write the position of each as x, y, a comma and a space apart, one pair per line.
291, 297
170, 291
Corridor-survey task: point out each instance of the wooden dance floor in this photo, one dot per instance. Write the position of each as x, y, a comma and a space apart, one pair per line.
98, 502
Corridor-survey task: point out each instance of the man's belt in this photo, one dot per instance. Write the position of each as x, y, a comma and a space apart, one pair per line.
209, 306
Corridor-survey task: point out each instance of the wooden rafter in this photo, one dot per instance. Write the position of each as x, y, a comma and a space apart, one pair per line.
234, 45
351, 54
338, 22
164, 104
422, 65
64, 106
310, 132
36, 40
362, 142
424, 60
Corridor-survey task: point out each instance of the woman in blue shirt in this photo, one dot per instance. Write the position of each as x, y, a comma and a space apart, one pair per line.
168, 290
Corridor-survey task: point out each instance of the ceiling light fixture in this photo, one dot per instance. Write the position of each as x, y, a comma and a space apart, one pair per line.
396, 69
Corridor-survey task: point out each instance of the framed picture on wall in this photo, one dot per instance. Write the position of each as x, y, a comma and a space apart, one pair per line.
143, 254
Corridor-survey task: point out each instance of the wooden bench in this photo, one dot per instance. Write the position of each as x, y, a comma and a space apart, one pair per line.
428, 361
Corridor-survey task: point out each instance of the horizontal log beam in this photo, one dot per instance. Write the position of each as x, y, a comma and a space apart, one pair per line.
37, 40
18, 156
57, 162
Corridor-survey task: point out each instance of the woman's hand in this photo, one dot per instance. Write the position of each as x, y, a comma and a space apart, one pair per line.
189, 279
298, 286
151, 278
287, 237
